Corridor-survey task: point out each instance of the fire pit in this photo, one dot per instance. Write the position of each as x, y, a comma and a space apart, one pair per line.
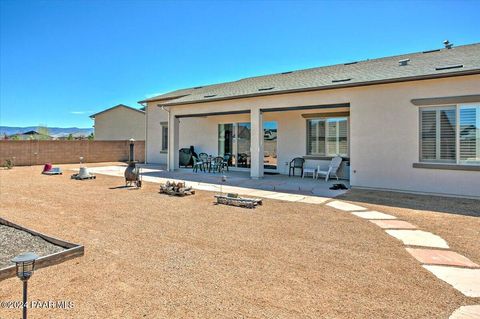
177, 189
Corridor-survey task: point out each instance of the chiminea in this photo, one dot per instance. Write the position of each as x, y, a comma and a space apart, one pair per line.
132, 175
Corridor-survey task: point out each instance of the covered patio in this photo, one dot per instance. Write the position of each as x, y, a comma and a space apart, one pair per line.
236, 181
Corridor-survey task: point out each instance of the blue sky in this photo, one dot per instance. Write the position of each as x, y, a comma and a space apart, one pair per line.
64, 60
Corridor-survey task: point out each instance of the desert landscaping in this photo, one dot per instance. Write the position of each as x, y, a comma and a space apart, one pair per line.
149, 255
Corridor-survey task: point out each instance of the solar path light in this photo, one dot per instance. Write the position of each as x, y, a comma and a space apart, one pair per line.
25, 266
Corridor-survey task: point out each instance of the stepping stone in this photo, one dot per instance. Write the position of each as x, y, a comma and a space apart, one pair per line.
345, 206
466, 312
418, 238
314, 200
441, 257
467, 281
373, 215
393, 224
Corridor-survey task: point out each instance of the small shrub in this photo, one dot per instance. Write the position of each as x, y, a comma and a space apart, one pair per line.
8, 164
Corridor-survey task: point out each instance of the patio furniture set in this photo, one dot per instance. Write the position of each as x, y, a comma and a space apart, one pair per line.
299, 162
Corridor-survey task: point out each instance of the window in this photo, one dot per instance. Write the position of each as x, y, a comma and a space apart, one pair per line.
164, 137
327, 136
450, 134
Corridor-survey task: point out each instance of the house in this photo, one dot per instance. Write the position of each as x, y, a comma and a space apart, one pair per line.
409, 122
120, 122
30, 135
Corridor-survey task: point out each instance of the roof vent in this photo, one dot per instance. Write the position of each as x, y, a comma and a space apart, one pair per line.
403, 62
212, 95
288, 72
350, 63
266, 89
447, 44
341, 80
446, 67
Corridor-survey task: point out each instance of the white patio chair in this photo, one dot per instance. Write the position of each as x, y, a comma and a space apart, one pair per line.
332, 168
309, 171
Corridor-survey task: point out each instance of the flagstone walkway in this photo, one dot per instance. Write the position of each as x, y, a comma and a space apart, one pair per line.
429, 249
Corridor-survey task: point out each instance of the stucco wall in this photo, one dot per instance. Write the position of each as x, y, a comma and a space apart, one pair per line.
155, 116
383, 131
120, 124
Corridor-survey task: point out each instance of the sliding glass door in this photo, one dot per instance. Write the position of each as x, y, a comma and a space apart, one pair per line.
270, 130
234, 141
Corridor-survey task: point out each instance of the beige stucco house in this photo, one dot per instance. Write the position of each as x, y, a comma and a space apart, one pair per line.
408, 123
120, 122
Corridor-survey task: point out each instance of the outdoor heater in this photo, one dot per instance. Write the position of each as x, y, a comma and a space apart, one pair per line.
25, 266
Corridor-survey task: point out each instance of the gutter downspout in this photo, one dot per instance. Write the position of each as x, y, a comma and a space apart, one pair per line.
168, 148
146, 129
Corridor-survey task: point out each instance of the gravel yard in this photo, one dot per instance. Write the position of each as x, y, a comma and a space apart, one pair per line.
149, 255
14, 241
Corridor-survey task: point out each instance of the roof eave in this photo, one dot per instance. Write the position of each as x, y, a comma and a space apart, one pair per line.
331, 87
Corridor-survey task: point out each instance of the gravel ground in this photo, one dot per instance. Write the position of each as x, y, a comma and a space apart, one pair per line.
149, 255
14, 242
457, 220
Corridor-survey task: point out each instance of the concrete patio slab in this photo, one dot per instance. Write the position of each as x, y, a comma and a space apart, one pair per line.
345, 206
467, 281
393, 224
466, 312
373, 215
418, 238
314, 200
441, 257
237, 182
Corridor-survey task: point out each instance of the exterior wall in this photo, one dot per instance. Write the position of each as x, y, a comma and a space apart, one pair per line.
120, 124
384, 131
64, 152
155, 116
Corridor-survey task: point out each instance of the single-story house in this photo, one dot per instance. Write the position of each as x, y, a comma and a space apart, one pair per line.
409, 122
120, 122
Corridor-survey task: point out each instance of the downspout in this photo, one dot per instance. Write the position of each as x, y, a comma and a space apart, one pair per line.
168, 148
146, 130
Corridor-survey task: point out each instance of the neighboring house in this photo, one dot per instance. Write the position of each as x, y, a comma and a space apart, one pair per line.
409, 122
120, 122
30, 135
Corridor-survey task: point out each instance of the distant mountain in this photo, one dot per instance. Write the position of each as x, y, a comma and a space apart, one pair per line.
52, 131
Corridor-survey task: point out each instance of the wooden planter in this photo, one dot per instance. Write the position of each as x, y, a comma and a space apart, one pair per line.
71, 251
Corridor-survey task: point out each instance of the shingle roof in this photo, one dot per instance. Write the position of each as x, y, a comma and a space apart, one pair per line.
117, 106
459, 60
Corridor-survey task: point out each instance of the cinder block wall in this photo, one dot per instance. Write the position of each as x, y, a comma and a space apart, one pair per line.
34, 152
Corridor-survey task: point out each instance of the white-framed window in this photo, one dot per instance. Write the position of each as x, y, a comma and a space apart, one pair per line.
327, 136
164, 137
450, 134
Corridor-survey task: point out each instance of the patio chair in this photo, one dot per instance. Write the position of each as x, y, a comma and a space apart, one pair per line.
297, 162
226, 160
203, 157
332, 168
197, 164
218, 164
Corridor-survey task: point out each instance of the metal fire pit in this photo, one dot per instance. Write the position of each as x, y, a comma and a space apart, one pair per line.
132, 175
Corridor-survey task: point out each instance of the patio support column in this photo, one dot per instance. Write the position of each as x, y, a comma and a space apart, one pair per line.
173, 142
256, 144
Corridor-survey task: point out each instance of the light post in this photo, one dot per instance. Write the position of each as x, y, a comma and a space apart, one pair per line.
131, 155
25, 265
